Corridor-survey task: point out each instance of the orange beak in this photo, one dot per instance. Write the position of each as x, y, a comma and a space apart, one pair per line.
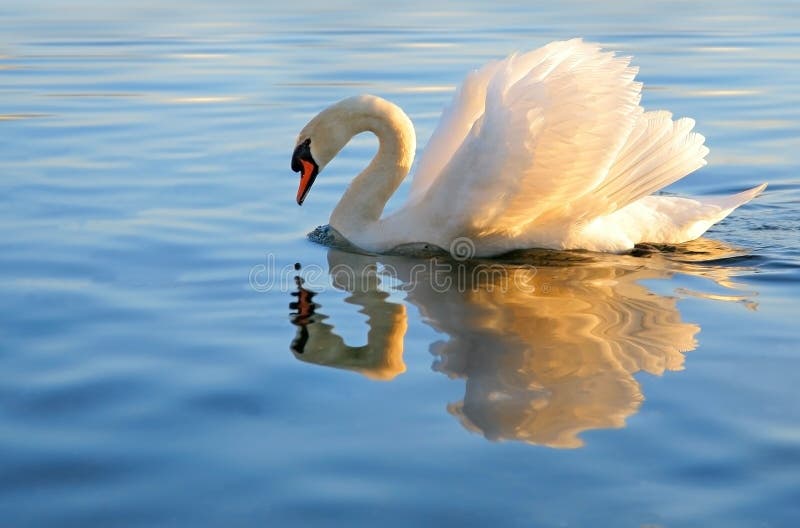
307, 178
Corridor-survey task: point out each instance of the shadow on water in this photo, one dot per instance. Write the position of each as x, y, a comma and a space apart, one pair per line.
548, 343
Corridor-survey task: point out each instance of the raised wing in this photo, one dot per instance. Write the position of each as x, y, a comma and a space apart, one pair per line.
553, 143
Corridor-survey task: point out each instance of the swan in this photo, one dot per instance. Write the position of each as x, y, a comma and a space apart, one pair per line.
546, 149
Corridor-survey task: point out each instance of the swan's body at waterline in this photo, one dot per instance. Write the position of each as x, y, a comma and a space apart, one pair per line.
547, 149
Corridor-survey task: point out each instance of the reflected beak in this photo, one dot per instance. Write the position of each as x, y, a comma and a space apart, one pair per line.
307, 177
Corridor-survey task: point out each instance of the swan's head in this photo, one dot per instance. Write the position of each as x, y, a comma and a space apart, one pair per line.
328, 132
319, 141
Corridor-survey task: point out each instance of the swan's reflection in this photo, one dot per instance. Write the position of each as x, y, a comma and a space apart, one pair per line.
546, 351
381, 357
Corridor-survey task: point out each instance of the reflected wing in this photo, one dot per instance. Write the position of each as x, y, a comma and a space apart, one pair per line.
556, 357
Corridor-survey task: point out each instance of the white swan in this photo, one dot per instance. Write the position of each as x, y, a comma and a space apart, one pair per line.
545, 149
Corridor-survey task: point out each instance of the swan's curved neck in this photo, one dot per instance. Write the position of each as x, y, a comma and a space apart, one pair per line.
364, 200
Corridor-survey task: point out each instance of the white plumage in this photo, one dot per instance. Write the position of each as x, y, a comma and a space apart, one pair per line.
548, 148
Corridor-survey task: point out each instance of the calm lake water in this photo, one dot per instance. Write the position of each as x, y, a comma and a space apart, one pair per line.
154, 374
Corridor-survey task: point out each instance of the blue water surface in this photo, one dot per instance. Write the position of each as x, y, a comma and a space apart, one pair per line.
153, 371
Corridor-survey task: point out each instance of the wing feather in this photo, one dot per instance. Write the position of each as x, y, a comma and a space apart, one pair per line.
658, 152
454, 125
